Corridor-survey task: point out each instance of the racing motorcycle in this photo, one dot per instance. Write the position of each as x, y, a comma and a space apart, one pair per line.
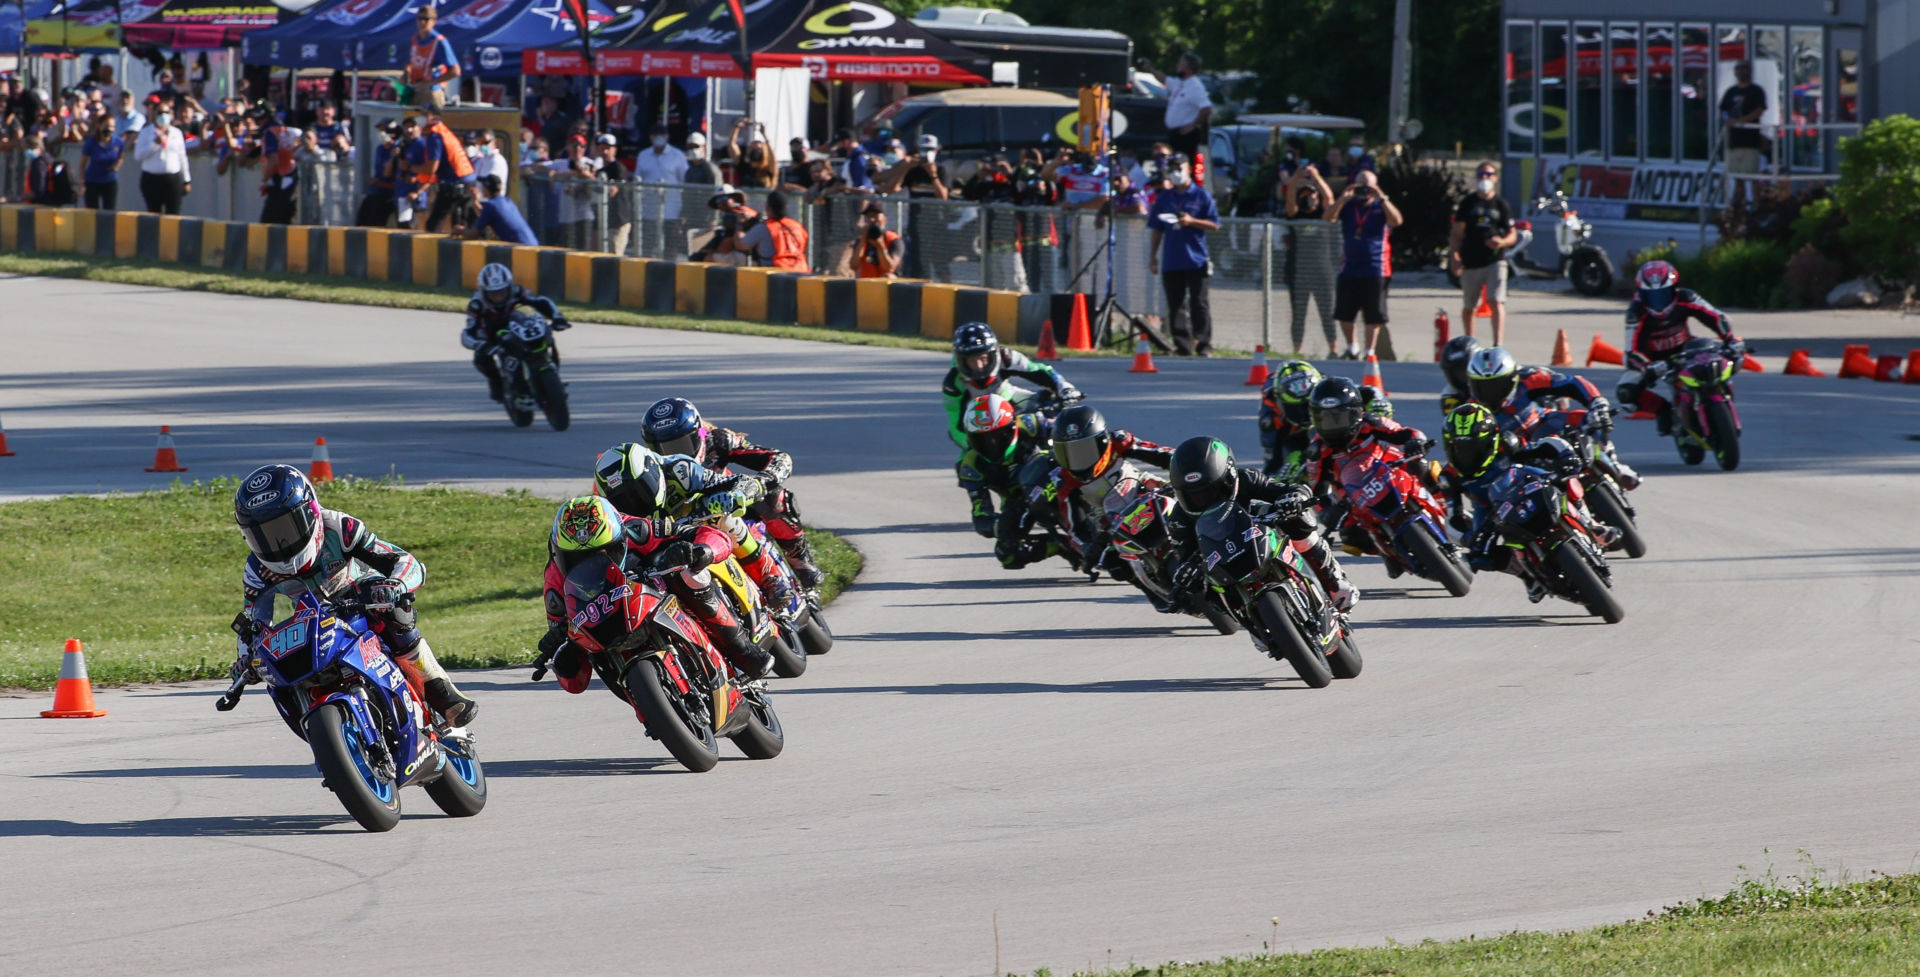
1605, 493
1704, 418
657, 659
530, 367
1399, 515
1140, 537
1253, 568
364, 716
809, 631
1533, 514
757, 619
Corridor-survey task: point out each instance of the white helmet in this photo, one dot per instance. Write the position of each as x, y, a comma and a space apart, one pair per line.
1492, 374
496, 284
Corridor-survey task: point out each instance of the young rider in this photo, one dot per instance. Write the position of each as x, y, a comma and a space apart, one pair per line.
290, 537
982, 366
1204, 475
1525, 399
1658, 316
489, 312
1285, 425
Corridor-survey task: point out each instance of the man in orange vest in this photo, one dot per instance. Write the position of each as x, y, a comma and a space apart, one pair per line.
279, 175
431, 62
778, 242
452, 172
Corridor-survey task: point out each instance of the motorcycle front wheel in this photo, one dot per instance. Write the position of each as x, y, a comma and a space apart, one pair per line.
1283, 637
1580, 576
1606, 503
762, 738
666, 717
460, 790
340, 750
1444, 567
815, 636
1723, 435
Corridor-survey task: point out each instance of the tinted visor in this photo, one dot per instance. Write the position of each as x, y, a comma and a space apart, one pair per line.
1337, 420
632, 497
1658, 300
1201, 497
1472, 455
978, 367
496, 297
1078, 457
688, 444
992, 444
1296, 412
279, 539
1492, 391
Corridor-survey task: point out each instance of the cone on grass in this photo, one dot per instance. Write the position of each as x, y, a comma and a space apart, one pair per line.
1079, 330
1143, 357
1371, 378
73, 694
1562, 350
1801, 365
1856, 361
1047, 350
1604, 352
1257, 375
5, 452
164, 459
321, 468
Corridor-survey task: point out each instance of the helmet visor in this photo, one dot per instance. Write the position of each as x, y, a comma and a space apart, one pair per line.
1658, 300
1296, 412
1199, 497
978, 367
993, 444
1078, 457
1472, 455
496, 297
689, 444
279, 539
1337, 420
1492, 390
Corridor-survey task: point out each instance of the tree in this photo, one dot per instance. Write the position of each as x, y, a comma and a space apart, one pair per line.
1879, 189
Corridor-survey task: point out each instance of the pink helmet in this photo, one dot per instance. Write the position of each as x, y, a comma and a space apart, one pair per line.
1658, 283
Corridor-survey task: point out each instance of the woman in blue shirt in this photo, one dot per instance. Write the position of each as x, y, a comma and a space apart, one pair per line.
102, 176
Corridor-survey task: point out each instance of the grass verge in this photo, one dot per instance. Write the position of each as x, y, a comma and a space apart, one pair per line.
354, 291
1764, 927
149, 581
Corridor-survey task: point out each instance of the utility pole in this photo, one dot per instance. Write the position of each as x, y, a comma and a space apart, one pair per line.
1402, 71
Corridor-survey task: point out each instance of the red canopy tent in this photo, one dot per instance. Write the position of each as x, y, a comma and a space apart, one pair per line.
844, 41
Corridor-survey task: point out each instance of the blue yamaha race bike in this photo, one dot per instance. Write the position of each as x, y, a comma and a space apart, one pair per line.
337, 689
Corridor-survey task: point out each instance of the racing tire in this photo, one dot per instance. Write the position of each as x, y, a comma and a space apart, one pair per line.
762, 738
1217, 616
1591, 273
461, 789
696, 749
1723, 435
816, 637
520, 418
1344, 661
1690, 453
1445, 566
1606, 504
340, 752
1580, 577
789, 657
552, 395
1284, 637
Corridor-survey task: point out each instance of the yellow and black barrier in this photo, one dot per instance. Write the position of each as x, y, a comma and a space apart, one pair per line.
895, 306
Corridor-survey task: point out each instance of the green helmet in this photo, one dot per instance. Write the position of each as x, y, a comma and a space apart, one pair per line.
1292, 382
583, 527
1376, 400
1472, 439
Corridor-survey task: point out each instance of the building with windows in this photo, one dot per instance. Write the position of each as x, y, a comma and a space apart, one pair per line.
1617, 102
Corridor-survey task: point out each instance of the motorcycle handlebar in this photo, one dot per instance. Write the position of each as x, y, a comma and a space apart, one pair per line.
231, 697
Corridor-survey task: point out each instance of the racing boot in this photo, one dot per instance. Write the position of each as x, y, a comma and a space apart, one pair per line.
442, 695
1319, 556
805, 567
707, 607
765, 573
1663, 420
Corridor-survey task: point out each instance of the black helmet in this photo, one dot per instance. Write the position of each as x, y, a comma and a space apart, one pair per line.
632, 477
1337, 410
279, 514
1081, 445
1472, 439
969, 342
1453, 360
1202, 473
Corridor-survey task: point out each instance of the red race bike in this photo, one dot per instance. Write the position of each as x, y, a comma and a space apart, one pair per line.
1399, 514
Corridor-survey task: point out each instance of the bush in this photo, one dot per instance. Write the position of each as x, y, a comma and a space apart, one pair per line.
1745, 274
1820, 226
1426, 195
1879, 190
1810, 276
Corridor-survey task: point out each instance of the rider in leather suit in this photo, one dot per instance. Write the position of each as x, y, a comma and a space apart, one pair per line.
489, 311
1659, 315
1204, 475
999, 442
982, 366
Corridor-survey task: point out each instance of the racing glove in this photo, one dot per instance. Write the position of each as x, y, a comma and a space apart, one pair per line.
384, 591
1736, 347
722, 504
1186, 576
682, 553
1600, 414
1067, 392
559, 323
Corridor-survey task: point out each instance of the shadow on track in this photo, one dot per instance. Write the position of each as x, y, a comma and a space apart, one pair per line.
496, 769
1483, 621
1157, 632
240, 826
1249, 683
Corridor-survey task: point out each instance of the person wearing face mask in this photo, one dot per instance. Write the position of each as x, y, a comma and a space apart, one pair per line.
874, 251
1365, 216
701, 170
660, 163
1357, 156
854, 170
1189, 111
1181, 217
754, 167
1482, 231
162, 152
103, 153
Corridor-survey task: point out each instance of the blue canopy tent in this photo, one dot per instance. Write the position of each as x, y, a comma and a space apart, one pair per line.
462, 23
330, 35
11, 24
539, 24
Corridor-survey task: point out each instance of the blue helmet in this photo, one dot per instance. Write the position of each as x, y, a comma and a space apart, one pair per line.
279, 514
673, 427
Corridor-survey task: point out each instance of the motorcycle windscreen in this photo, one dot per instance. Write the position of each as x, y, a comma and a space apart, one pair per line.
591, 606
285, 626
1525, 503
1229, 542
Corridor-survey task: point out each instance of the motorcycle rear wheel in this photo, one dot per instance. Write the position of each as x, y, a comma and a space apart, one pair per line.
696, 749
789, 657
552, 395
1590, 273
1723, 435
372, 799
1283, 637
1594, 594
1605, 502
815, 636
762, 738
460, 790
1444, 567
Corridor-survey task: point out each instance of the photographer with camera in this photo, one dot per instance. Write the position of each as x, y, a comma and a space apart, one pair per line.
1365, 216
736, 219
874, 251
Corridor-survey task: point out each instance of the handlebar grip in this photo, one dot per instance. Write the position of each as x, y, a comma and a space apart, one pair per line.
231, 697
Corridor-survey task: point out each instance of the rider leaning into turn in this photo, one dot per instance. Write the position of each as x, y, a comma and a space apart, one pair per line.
1204, 475
723, 500
673, 426
1342, 423
982, 366
999, 442
1525, 400
489, 312
1286, 429
290, 537
1658, 316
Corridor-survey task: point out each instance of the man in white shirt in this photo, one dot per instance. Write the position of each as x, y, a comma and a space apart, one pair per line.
663, 164
487, 159
1188, 109
162, 152
571, 175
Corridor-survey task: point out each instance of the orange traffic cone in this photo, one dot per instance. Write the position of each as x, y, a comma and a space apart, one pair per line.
1483, 310
1886, 369
1079, 331
1912, 375
5, 452
1562, 350
321, 469
1371, 378
1801, 365
1047, 351
73, 694
1604, 352
1856, 361
1256, 377
1143, 357
1752, 365
164, 459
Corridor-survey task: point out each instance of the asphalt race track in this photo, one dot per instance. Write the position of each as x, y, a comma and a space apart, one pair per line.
982, 748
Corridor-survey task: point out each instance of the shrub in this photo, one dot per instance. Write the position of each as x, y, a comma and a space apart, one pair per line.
1879, 190
1810, 275
1736, 273
1426, 195
1820, 226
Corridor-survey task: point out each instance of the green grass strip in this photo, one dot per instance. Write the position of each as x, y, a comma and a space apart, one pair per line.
149, 581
